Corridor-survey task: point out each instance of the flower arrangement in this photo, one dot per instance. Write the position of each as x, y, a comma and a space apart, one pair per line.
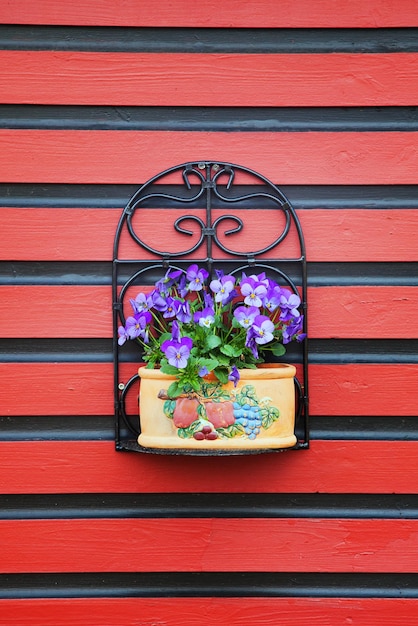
192, 327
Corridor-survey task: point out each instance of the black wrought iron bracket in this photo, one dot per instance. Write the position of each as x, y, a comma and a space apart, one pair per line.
210, 207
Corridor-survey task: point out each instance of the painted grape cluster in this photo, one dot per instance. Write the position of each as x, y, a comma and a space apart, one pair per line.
216, 413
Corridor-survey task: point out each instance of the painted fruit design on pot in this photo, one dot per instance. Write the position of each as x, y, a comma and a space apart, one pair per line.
217, 413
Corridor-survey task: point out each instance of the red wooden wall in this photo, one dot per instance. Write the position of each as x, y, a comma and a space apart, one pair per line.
96, 97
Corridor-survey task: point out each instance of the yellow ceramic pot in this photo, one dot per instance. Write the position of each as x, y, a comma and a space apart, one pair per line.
259, 413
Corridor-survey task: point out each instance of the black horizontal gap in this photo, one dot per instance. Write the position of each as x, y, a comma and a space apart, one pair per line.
209, 40
57, 428
212, 505
100, 273
207, 585
330, 351
364, 428
301, 196
101, 428
55, 273
357, 273
340, 119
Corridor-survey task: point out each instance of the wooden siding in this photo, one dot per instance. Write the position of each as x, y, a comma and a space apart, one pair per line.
321, 98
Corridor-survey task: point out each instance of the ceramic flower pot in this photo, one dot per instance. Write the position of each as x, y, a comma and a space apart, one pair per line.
259, 413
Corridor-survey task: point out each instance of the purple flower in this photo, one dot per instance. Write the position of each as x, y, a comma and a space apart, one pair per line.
182, 286
234, 375
289, 303
262, 329
123, 335
196, 277
205, 318
203, 371
253, 291
292, 330
136, 326
175, 331
169, 279
251, 344
177, 352
159, 301
183, 312
208, 300
172, 307
223, 288
261, 278
142, 302
272, 298
246, 315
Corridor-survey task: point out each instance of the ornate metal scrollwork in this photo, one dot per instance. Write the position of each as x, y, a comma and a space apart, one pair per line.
204, 212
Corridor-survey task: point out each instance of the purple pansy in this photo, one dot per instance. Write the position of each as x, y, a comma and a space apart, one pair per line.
196, 277
183, 312
122, 335
289, 303
136, 326
272, 298
253, 291
142, 302
177, 352
251, 344
293, 331
223, 288
205, 318
262, 329
234, 375
246, 315
159, 301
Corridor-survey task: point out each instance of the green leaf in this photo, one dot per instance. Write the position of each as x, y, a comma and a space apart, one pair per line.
166, 368
278, 349
213, 341
174, 390
210, 364
230, 350
221, 358
221, 374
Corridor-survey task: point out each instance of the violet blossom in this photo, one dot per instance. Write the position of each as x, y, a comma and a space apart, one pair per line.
289, 303
253, 291
223, 288
196, 277
205, 318
234, 375
262, 329
177, 352
246, 315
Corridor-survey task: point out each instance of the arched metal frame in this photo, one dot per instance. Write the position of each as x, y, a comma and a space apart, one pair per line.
214, 200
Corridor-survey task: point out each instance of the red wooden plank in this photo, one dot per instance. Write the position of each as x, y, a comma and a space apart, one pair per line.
86, 389
363, 312
71, 156
95, 467
253, 13
182, 79
213, 611
65, 311
160, 545
37, 234
354, 312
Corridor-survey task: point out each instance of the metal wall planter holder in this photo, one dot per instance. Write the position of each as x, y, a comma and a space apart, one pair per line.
205, 213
